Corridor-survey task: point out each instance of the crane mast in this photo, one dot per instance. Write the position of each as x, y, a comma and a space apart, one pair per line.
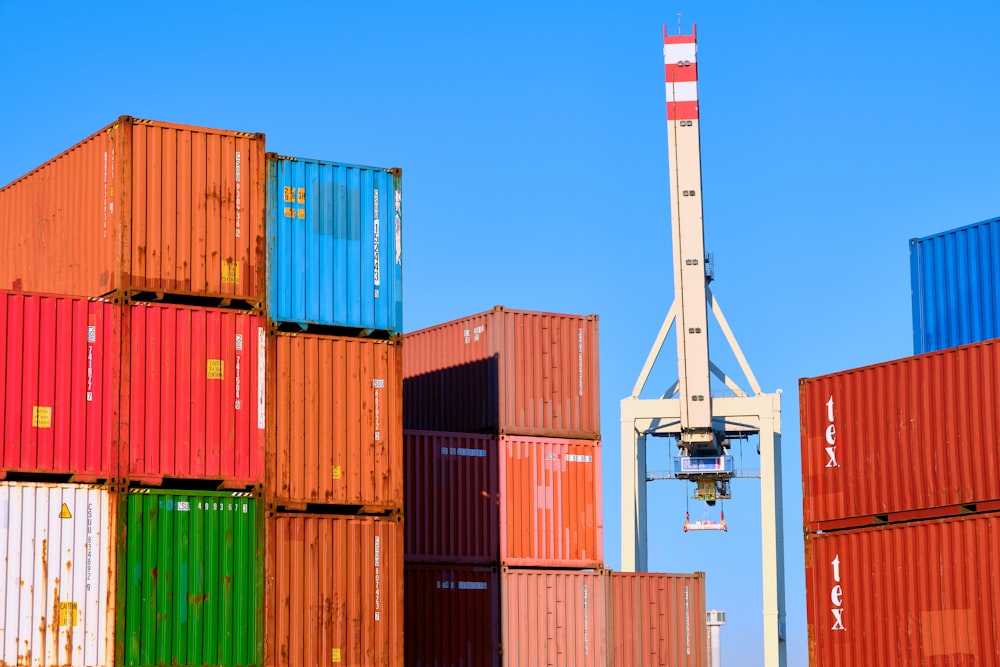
703, 456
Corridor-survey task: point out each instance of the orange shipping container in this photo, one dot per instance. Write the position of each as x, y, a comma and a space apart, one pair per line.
140, 206
505, 371
334, 591
657, 619
335, 420
553, 618
921, 593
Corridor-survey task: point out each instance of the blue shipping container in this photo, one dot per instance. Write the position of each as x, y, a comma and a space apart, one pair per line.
955, 277
334, 245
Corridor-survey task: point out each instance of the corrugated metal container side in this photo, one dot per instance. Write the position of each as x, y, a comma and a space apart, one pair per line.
190, 586
334, 244
910, 434
553, 618
510, 500
59, 379
57, 574
955, 280
334, 590
336, 421
452, 616
551, 510
657, 619
140, 205
196, 395
923, 593
504, 371
452, 498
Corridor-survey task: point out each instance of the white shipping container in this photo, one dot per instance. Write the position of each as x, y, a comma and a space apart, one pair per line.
58, 547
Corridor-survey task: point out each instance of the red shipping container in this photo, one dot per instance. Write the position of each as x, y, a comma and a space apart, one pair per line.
195, 396
921, 593
141, 206
509, 500
452, 616
336, 422
553, 618
59, 377
452, 498
334, 591
504, 371
911, 434
657, 619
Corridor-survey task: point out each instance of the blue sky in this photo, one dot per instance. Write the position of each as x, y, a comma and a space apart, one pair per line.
532, 138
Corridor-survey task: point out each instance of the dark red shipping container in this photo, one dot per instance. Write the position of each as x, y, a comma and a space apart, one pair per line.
194, 396
504, 371
899, 437
509, 500
335, 422
59, 378
657, 619
921, 593
452, 497
452, 616
334, 591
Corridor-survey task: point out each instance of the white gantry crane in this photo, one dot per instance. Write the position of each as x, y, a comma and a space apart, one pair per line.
701, 425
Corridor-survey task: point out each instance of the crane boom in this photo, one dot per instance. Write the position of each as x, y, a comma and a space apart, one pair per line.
687, 226
703, 457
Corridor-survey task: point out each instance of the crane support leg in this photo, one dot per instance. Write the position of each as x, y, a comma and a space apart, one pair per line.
772, 540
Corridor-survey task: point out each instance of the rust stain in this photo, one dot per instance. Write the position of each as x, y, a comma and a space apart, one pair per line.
55, 620
197, 599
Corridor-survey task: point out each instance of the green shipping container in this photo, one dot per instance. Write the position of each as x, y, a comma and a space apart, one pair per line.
190, 579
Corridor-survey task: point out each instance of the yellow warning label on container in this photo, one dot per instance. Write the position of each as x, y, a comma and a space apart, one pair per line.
289, 212
301, 213
288, 195
300, 195
41, 416
215, 369
335, 654
337, 472
64, 512
230, 272
69, 614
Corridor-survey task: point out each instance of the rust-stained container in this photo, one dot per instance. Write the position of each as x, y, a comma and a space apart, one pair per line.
504, 371
141, 206
921, 593
657, 619
553, 618
190, 582
912, 434
334, 590
59, 380
335, 421
57, 574
509, 500
452, 616
195, 396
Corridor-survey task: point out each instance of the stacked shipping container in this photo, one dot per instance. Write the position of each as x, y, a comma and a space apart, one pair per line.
137, 362
156, 401
896, 457
503, 495
503, 474
334, 447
